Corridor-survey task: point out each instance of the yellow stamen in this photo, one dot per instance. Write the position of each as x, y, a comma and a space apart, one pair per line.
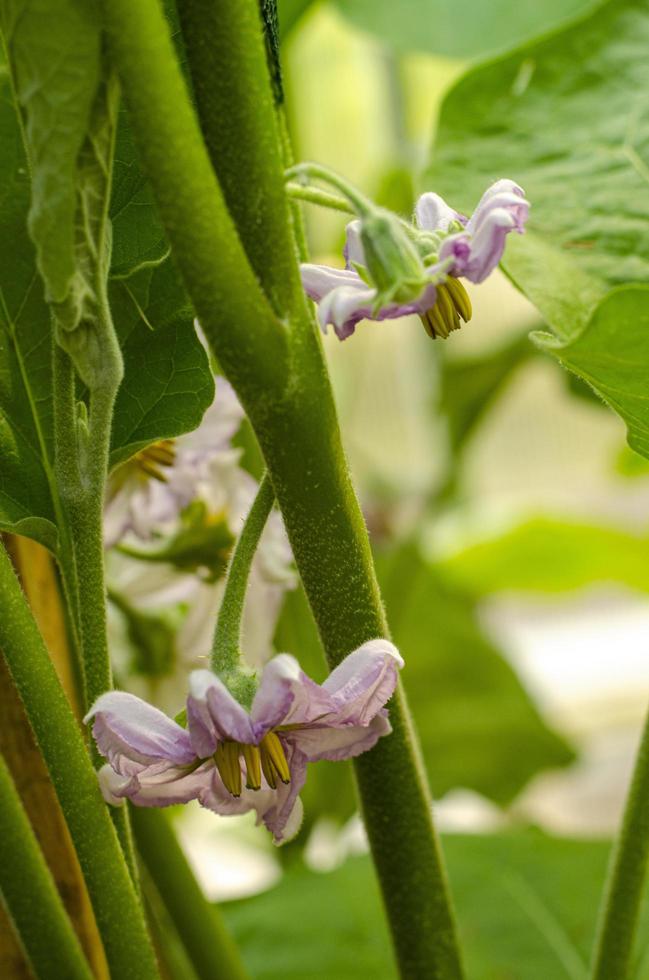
253, 766
447, 310
273, 760
226, 758
460, 298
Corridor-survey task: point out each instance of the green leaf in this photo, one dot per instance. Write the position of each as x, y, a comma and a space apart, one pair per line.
26, 505
587, 178
549, 555
167, 383
152, 637
54, 48
478, 726
612, 354
526, 905
458, 28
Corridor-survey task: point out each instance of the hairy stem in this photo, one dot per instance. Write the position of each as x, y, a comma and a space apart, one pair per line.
43, 926
227, 635
117, 910
208, 944
227, 64
626, 878
282, 381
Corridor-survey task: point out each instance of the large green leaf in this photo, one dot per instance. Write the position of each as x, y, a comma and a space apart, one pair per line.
54, 50
549, 555
526, 904
26, 505
478, 726
458, 28
167, 384
587, 176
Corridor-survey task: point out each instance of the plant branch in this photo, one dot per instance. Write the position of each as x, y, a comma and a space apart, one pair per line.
209, 946
30, 894
626, 877
112, 893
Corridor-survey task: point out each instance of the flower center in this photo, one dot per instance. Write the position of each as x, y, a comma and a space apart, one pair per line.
267, 757
451, 305
152, 460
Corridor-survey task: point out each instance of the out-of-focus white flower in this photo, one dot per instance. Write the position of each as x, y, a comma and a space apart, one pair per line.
147, 492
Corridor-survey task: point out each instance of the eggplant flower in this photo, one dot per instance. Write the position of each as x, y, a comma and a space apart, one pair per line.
232, 760
150, 490
451, 247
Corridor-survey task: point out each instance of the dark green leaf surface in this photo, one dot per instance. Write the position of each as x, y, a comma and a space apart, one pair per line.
549, 555
167, 384
587, 176
526, 905
25, 379
458, 28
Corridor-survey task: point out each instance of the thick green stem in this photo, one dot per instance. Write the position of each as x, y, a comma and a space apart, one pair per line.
30, 895
227, 63
117, 910
227, 635
626, 879
282, 381
209, 946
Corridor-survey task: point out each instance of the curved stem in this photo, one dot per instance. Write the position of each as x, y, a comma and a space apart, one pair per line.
316, 196
209, 946
227, 635
117, 910
31, 896
626, 878
361, 204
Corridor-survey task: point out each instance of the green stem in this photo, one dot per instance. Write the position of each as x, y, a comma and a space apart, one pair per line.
281, 378
30, 895
626, 878
227, 635
209, 946
225, 49
316, 171
314, 195
117, 910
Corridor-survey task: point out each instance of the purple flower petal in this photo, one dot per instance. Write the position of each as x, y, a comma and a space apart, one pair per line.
127, 728
353, 250
432, 213
159, 784
325, 742
213, 715
287, 696
363, 682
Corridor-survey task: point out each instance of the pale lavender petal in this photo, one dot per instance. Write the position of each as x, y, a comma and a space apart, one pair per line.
159, 784
363, 682
475, 257
287, 696
213, 715
502, 193
345, 306
432, 213
325, 742
353, 250
126, 727
319, 280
